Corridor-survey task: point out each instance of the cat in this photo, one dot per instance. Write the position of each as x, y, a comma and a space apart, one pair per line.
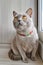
25, 43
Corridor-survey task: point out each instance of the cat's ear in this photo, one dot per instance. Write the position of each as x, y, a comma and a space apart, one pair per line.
14, 13
29, 12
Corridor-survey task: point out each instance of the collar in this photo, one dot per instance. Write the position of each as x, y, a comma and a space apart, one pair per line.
27, 34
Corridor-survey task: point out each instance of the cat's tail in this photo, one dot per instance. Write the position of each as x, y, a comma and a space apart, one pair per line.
12, 56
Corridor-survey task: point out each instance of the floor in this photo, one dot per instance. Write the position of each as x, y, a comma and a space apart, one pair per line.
7, 61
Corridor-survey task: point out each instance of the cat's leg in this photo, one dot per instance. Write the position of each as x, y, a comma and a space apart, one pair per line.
22, 53
14, 53
35, 48
12, 56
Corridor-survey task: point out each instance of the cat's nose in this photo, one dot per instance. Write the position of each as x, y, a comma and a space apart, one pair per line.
18, 20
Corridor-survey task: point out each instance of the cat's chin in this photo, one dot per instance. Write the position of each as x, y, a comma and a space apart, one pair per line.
21, 30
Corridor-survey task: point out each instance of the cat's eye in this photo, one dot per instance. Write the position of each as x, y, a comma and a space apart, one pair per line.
16, 18
24, 17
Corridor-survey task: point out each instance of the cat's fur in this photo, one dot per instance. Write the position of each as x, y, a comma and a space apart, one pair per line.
24, 46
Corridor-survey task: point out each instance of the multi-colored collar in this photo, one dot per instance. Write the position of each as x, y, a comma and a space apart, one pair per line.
27, 34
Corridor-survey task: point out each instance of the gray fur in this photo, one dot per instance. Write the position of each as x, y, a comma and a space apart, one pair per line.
21, 45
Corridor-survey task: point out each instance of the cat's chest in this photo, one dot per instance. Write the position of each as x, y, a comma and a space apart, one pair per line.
26, 42
26, 39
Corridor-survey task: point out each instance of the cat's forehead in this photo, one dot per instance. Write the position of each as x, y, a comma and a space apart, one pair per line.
20, 15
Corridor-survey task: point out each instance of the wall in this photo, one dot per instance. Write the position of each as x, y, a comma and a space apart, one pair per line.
6, 8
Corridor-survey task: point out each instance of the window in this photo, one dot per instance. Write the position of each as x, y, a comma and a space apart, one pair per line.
42, 16
40, 19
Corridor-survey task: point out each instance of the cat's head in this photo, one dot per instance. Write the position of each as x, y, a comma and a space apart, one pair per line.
22, 21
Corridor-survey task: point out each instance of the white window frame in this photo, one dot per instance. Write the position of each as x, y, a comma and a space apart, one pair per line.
40, 31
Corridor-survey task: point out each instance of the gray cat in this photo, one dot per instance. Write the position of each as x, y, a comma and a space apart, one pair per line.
25, 43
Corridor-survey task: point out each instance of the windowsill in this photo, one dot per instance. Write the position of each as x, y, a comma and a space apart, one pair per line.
40, 33
41, 49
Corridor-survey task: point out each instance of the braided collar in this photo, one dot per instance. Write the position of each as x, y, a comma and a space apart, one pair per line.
27, 34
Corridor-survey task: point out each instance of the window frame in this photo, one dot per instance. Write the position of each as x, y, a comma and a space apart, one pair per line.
40, 15
40, 31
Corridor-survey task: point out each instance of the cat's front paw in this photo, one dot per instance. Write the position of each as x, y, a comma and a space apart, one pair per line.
33, 58
25, 60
